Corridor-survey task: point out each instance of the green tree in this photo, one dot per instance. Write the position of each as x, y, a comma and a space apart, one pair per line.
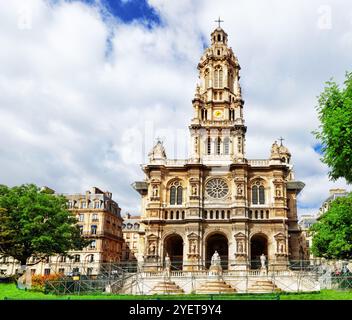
335, 131
332, 234
36, 223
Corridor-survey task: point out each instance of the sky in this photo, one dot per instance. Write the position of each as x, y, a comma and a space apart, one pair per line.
87, 86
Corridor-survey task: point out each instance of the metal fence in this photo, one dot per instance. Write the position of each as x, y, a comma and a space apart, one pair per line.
132, 278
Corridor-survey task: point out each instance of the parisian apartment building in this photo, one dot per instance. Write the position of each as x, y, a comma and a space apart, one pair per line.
133, 234
99, 219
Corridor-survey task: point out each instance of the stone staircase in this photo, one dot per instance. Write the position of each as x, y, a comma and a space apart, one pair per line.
166, 287
263, 286
215, 287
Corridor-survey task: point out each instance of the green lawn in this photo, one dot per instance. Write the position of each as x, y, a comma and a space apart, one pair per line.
9, 291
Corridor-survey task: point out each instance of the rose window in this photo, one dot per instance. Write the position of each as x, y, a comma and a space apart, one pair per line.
217, 188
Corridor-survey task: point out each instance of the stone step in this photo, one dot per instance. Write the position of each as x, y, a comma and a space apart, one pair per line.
263, 286
166, 287
213, 286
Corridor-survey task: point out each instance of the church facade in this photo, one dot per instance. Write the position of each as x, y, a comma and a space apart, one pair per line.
217, 199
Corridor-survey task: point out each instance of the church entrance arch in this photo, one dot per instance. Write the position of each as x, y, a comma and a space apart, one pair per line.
173, 246
259, 245
217, 242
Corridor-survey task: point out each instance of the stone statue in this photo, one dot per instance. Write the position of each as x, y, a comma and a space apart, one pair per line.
278, 192
151, 248
167, 262
194, 190
193, 246
215, 259
262, 260
240, 247
275, 151
158, 152
155, 191
167, 268
239, 190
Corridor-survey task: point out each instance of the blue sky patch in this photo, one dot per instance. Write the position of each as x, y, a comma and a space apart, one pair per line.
130, 10
318, 148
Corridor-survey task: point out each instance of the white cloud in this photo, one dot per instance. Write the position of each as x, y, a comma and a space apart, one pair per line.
72, 109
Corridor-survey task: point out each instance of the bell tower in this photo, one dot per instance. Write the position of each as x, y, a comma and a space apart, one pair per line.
217, 128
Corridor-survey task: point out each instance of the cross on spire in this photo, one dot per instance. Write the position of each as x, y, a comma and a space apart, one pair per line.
281, 139
219, 21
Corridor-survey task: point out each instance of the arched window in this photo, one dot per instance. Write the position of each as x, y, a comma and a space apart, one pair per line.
218, 146
219, 37
206, 78
226, 145
204, 114
258, 193
255, 195
179, 195
261, 195
218, 78
239, 145
209, 145
173, 195
176, 193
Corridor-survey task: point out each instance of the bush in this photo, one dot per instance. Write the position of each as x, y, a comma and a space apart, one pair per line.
38, 281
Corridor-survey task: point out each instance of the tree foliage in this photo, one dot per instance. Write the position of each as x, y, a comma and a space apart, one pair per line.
332, 234
36, 223
335, 131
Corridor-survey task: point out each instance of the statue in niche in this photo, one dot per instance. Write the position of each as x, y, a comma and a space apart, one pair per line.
152, 248
193, 246
155, 191
167, 267
167, 262
281, 248
278, 192
263, 260
215, 259
240, 247
194, 190
239, 190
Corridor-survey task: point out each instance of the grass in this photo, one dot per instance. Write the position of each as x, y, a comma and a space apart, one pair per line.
10, 291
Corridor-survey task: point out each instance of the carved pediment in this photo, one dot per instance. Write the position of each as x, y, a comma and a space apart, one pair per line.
152, 237
239, 235
192, 236
280, 236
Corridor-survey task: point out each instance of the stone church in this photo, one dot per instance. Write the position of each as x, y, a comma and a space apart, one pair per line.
217, 199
